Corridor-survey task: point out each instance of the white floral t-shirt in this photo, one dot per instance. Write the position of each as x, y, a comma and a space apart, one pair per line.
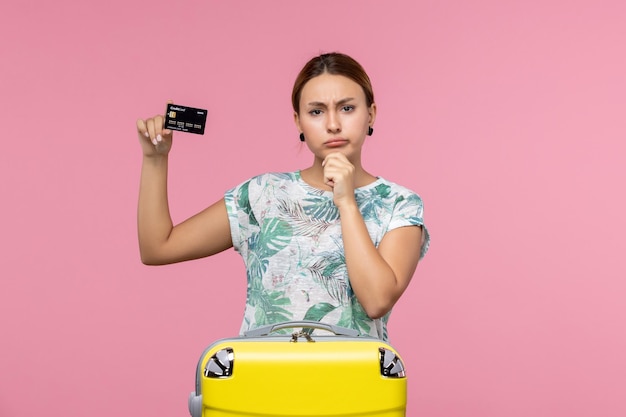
289, 235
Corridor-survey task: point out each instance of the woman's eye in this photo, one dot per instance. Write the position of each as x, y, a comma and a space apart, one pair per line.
315, 112
347, 108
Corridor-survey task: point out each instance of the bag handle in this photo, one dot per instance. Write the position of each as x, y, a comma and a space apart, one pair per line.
266, 330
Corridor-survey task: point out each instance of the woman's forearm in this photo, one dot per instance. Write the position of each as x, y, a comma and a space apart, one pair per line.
153, 216
372, 279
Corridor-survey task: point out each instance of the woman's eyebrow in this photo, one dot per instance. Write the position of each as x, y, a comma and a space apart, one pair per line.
339, 103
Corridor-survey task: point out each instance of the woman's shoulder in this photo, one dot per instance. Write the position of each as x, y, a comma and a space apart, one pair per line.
267, 180
389, 189
275, 177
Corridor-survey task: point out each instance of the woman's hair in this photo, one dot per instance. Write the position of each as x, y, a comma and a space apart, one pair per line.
334, 63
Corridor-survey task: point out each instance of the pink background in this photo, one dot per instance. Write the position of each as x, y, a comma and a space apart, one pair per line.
506, 116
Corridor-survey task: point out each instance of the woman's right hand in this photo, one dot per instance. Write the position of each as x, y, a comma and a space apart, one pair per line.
154, 139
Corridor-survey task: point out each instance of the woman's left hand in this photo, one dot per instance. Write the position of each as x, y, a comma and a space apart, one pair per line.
339, 175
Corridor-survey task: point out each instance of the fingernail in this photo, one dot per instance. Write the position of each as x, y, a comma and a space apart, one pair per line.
159, 138
154, 141
146, 134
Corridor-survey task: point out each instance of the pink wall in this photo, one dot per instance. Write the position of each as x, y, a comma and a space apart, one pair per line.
507, 117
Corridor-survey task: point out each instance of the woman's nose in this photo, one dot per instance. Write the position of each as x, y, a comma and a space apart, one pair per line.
333, 124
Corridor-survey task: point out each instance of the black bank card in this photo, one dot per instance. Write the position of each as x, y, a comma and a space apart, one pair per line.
185, 119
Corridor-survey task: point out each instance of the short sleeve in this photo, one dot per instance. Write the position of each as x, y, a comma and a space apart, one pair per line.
409, 211
240, 214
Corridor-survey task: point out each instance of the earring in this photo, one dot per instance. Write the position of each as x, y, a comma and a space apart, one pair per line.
370, 130
301, 137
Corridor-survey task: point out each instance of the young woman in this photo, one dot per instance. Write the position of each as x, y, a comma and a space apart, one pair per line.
331, 242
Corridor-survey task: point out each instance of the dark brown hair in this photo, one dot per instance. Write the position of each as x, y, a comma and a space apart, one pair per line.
334, 63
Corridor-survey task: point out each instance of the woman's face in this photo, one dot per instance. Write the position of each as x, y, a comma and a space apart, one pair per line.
334, 116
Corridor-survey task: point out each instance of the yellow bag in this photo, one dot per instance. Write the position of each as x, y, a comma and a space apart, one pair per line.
302, 374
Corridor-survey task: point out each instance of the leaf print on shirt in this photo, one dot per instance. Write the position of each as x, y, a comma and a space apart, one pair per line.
322, 208
244, 202
274, 236
317, 313
303, 225
268, 310
355, 318
372, 202
330, 271
415, 203
383, 190
275, 178
268, 304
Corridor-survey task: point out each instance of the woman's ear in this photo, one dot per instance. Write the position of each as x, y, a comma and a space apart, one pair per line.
372, 112
296, 119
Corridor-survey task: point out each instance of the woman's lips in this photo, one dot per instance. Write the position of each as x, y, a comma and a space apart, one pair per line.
335, 143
